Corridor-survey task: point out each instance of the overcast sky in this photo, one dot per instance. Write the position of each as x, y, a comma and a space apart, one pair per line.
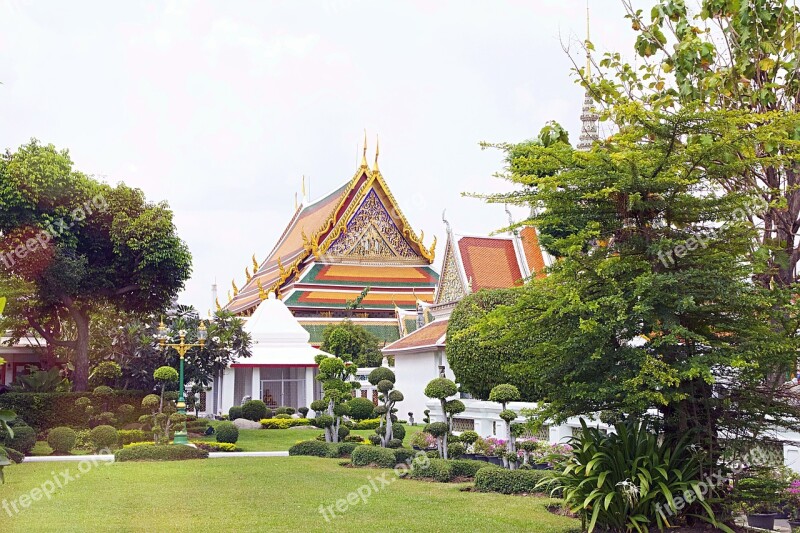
220, 107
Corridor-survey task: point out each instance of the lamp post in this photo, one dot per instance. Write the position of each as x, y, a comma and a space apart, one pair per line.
182, 347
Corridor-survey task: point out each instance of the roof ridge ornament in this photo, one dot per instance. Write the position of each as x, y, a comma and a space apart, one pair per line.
375, 168
255, 265
364, 152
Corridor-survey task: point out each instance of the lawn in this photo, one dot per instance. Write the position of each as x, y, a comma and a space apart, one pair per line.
275, 440
257, 494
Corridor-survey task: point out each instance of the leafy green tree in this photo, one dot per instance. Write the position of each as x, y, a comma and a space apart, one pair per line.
164, 376
651, 304
81, 244
441, 389
726, 55
384, 379
352, 342
337, 389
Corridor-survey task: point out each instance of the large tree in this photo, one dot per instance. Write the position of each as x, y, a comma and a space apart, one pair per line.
726, 55
352, 342
651, 303
80, 244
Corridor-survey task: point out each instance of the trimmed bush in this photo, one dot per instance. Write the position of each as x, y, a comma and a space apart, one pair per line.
370, 423
360, 408
313, 448
455, 450
284, 423
467, 468
270, 413
126, 413
162, 452
13, 455
128, 436
235, 412
495, 479
62, 440
346, 448
24, 438
469, 437
227, 432
374, 455
394, 443
216, 446
254, 410
436, 469
283, 416
104, 437
303, 412
403, 455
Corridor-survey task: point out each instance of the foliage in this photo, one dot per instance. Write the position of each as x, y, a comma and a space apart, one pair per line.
216, 446
334, 374
41, 381
504, 393
456, 450
227, 432
104, 437
360, 408
303, 412
441, 389
284, 423
105, 373
373, 455
48, 410
62, 440
468, 437
128, 436
285, 410
628, 480
495, 479
235, 412
439, 470
165, 374
311, 447
352, 342
479, 358
760, 491
6, 417
23, 439
159, 452
111, 247
283, 416
14, 455
383, 378
423, 440
254, 410
369, 423
467, 467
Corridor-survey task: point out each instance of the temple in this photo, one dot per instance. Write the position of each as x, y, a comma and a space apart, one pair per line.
350, 254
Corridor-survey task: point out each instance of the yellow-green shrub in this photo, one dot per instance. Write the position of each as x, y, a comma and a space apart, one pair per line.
284, 423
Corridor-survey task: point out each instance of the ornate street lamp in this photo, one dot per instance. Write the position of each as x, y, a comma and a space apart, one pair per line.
182, 347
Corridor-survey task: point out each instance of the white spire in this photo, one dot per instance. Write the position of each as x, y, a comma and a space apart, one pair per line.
589, 116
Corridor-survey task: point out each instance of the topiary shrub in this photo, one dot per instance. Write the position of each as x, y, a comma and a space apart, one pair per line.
394, 443
128, 436
303, 412
494, 479
13, 455
373, 455
104, 437
283, 416
313, 448
404, 455
159, 452
24, 439
62, 440
227, 432
282, 411
360, 408
456, 450
235, 412
375, 439
271, 413
370, 423
125, 413
435, 469
254, 410
346, 448
468, 437
467, 468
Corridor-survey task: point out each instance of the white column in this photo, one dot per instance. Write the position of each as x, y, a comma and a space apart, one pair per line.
256, 387
309, 387
227, 390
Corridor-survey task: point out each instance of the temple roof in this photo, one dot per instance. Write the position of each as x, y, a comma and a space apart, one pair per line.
429, 336
335, 299
358, 223
360, 275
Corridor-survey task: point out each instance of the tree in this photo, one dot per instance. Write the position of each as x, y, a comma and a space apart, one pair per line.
337, 390
80, 244
360, 408
352, 342
164, 375
729, 55
503, 394
478, 360
651, 303
383, 379
441, 389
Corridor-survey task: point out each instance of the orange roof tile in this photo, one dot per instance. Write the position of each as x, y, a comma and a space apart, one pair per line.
430, 335
533, 251
489, 263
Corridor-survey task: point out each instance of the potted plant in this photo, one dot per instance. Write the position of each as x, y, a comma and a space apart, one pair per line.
469, 438
423, 441
792, 497
758, 495
495, 449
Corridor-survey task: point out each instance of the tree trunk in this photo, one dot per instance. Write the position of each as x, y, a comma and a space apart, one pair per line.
80, 376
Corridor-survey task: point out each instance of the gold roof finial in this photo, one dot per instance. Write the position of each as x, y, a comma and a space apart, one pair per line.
377, 153
364, 152
255, 265
216, 301
262, 294
229, 296
235, 288
247, 274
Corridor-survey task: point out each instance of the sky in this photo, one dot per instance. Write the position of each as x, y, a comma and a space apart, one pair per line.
220, 108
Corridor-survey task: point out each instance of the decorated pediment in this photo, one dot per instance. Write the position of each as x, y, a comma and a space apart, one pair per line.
451, 285
371, 233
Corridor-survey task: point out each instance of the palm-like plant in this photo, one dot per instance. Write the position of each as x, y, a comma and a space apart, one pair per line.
628, 481
6, 417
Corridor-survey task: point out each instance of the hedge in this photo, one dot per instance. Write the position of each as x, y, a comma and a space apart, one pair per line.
436, 469
374, 455
284, 423
497, 479
163, 452
43, 411
216, 446
370, 423
467, 467
314, 448
127, 436
23, 441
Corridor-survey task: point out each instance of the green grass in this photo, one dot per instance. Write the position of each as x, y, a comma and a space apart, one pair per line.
275, 440
258, 494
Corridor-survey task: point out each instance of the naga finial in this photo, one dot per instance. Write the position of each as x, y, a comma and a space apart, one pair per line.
364, 152
235, 288
255, 265
262, 294
216, 301
247, 274
377, 153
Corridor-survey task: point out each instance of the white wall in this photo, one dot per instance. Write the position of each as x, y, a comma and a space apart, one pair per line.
413, 372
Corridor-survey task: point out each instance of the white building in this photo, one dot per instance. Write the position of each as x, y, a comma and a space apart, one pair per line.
281, 371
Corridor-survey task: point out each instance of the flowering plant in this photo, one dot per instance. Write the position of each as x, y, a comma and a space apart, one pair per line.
423, 440
792, 496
